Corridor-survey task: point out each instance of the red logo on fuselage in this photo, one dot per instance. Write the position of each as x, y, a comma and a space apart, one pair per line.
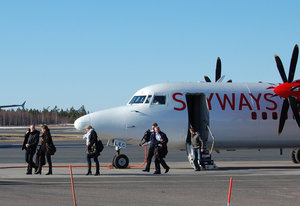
232, 101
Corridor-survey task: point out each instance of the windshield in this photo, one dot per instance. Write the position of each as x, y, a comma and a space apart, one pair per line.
148, 99
159, 100
137, 100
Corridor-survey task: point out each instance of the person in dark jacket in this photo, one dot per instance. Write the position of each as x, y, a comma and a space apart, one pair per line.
146, 140
160, 143
197, 146
31, 140
46, 149
92, 149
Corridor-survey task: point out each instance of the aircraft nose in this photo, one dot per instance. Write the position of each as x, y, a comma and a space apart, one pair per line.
82, 122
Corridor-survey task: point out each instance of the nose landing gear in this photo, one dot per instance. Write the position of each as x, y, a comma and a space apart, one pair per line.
120, 161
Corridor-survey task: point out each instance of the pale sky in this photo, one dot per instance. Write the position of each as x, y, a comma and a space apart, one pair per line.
99, 53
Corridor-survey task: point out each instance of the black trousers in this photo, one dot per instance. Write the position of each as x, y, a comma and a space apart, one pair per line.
48, 157
159, 160
41, 161
88, 158
29, 159
149, 157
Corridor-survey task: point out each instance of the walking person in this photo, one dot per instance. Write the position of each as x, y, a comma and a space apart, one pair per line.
148, 140
31, 140
92, 149
47, 149
161, 150
197, 148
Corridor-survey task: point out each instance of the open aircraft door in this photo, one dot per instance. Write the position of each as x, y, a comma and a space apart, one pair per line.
198, 116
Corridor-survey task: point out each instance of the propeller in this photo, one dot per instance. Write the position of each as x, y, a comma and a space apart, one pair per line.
218, 77
294, 88
218, 69
285, 90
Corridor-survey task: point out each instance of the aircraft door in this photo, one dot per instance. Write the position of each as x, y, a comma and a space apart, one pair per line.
198, 118
198, 113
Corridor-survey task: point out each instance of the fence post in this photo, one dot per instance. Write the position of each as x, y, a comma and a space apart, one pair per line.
73, 189
229, 193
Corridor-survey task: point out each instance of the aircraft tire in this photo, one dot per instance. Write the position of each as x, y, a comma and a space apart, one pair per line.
113, 161
293, 157
121, 161
297, 156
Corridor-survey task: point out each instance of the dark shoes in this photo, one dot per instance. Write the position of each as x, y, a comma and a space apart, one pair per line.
38, 172
145, 170
28, 173
90, 173
49, 173
156, 173
167, 170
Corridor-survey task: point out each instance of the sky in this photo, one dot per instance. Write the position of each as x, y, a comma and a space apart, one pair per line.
99, 53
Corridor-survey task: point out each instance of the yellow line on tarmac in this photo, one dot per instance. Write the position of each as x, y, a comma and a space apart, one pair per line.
106, 181
30, 182
94, 181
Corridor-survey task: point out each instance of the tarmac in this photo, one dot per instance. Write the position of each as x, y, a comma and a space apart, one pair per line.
259, 178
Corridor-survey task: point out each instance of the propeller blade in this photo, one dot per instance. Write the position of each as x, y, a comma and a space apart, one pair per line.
293, 103
293, 63
221, 79
207, 79
218, 69
283, 115
280, 68
293, 88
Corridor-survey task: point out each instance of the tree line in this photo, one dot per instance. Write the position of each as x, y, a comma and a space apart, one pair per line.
22, 117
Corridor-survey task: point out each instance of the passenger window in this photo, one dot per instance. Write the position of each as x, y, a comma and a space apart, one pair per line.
148, 99
254, 115
274, 115
264, 116
159, 100
137, 100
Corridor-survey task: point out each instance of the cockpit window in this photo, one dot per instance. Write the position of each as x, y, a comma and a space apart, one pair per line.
159, 100
137, 100
148, 99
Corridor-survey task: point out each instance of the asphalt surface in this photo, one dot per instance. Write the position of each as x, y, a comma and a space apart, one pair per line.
259, 178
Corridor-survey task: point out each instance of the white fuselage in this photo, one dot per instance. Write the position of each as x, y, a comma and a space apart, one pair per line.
241, 116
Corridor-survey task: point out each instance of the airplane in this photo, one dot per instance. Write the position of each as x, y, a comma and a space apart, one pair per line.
14, 105
229, 116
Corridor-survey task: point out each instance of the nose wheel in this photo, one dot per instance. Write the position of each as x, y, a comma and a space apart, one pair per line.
120, 161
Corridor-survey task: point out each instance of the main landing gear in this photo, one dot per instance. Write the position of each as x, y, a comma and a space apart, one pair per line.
295, 156
120, 161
